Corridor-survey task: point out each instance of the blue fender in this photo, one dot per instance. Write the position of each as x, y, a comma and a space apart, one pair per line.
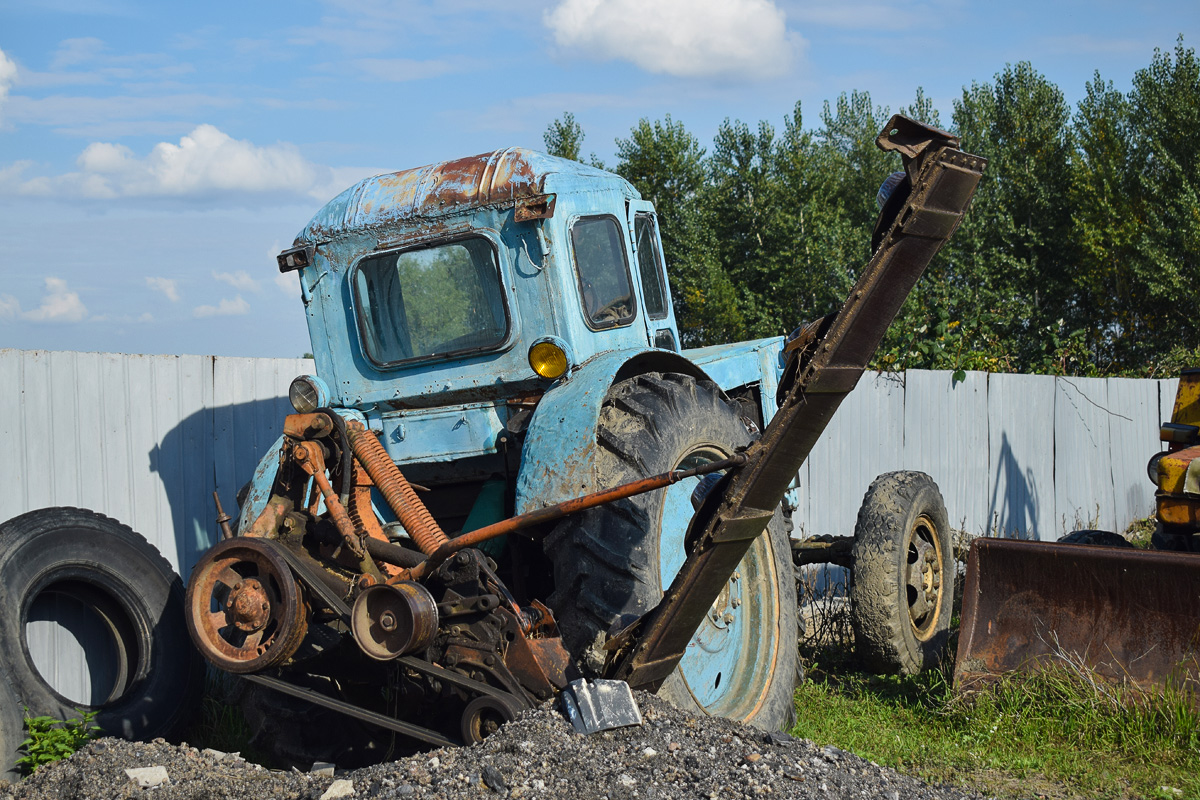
260, 487
556, 459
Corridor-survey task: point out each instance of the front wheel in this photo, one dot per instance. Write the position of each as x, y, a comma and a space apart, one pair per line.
614, 561
902, 594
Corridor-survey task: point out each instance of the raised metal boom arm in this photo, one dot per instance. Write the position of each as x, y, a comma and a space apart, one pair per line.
825, 363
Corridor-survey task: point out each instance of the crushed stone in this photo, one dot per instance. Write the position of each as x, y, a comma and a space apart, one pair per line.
672, 756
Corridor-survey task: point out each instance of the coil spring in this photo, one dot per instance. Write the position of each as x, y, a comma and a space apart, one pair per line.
413, 514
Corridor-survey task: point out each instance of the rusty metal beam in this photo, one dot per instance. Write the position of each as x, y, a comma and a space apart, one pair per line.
911, 231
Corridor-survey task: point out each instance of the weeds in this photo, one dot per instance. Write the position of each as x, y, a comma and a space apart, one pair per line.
1058, 733
52, 739
1139, 532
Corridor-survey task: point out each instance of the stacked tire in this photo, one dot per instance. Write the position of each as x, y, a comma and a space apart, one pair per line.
122, 597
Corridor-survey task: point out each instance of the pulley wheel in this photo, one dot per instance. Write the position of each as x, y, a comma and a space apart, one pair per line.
244, 609
484, 715
390, 620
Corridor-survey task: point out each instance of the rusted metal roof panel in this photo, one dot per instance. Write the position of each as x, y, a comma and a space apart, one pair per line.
499, 177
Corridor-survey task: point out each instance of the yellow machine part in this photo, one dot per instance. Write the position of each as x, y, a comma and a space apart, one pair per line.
1187, 398
1179, 472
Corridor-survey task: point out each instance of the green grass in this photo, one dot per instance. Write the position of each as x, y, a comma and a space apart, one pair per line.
1055, 735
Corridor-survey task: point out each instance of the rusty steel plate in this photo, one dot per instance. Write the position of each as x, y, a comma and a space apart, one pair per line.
1128, 615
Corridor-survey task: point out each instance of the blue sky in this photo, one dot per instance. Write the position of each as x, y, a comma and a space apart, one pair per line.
155, 156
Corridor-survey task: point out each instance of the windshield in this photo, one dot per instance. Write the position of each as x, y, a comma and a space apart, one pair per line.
431, 302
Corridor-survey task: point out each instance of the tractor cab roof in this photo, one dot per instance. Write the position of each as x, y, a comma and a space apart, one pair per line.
497, 178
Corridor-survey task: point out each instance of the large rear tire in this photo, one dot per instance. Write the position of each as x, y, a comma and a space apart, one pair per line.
104, 591
612, 562
902, 594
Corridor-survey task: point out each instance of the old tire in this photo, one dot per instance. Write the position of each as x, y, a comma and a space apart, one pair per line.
12, 734
69, 569
612, 562
1097, 538
902, 592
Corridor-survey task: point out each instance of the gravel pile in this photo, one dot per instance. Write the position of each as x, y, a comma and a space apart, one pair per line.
672, 755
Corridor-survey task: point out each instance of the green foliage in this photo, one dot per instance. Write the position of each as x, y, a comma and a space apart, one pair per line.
52, 740
1080, 254
1059, 733
564, 137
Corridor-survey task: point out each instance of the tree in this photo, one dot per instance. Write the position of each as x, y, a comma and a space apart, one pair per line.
741, 209
564, 137
1013, 256
1165, 114
1105, 225
667, 165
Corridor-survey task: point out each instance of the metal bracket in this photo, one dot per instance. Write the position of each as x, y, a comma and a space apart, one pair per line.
600, 705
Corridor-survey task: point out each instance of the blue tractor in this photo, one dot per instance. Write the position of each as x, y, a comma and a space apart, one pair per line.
507, 474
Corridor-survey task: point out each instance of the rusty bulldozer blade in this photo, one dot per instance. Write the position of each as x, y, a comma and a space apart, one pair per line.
1126, 615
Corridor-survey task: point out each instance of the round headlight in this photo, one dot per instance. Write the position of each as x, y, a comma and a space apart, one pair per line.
548, 358
1152, 467
308, 393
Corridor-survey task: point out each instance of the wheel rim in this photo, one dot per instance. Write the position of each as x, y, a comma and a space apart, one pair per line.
483, 716
245, 612
923, 577
728, 659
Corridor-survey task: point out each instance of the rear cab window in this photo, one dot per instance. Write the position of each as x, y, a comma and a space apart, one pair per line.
602, 270
650, 267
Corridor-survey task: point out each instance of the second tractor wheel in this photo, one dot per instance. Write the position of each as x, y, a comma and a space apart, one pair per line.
902, 594
614, 561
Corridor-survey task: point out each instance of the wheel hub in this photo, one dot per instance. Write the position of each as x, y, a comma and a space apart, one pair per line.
248, 607
924, 577
723, 611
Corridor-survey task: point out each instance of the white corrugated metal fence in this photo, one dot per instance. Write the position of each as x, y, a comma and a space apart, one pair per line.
147, 439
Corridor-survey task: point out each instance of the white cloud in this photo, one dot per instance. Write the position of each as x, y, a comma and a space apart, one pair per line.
741, 39
240, 280
226, 308
72, 52
166, 286
204, 160
59, 304
8, 74
205, 163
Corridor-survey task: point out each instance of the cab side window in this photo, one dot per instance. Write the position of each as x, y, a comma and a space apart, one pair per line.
650, 267
603, 272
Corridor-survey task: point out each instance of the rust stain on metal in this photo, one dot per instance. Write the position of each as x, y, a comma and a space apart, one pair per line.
502, 175
1129, 615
